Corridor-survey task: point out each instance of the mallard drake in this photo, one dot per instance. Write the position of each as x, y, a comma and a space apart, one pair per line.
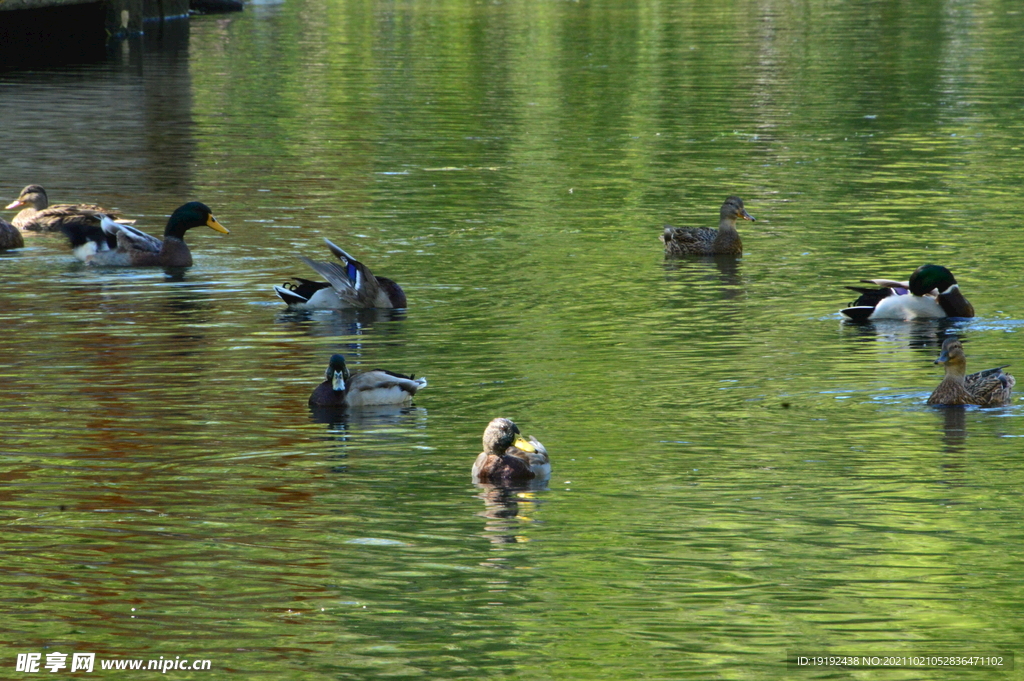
114, 244
38, 215
705, 241
930, 292
350, 284
10, 236
363, 388
989, 388
508, 457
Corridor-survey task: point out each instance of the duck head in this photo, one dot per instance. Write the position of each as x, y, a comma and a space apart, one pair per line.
733, 210
192, 214
929, 278
33, 195
501, 434
952, 354
337, 373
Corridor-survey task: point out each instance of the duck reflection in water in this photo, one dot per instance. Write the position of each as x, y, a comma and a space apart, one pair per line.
507, 509
341, 419
954, 432
726, 280
920, 334
350, 322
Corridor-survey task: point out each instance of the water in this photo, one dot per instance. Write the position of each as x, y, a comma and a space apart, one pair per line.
738, 474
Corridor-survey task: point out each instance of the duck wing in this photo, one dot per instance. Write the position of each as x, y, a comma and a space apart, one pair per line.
359, 275
379, 386
688, 235
130, 238
990, 388
353, 281
887, 283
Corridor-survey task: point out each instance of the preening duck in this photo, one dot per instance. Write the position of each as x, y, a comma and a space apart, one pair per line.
364, 388
508, 457
705, 241
113, 244
989, 388
10, 236
349, 284
37, 215
930, 292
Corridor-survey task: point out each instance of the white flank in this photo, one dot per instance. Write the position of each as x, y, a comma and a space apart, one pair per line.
86, 251
365, 398
326, 299
908, 307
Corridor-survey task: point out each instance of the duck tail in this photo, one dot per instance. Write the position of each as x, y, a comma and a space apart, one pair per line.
86, 238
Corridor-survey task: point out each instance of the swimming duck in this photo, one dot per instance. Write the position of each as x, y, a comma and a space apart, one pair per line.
508, 457
930, 292
989, 388
349, 285
704, 241
10, 236
39, 216
114, 244
363, 388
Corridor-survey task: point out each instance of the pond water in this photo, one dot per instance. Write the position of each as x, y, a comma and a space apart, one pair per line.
738, 474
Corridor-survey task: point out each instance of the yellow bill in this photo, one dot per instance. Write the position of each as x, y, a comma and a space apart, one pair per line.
522, 445
212, 223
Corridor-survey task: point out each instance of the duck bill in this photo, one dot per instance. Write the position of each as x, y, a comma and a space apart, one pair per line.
747, 216
522, 445
14, 204
338, 382
212, 223
943, 358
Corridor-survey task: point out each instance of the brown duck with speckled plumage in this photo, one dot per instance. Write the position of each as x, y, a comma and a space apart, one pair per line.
37, 215
989, 388
704, 241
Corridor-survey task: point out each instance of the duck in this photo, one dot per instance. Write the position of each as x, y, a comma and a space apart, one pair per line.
508, 457
10, 236
931, 292
350, 284
37, 215
989, 388
114, 244
705, 241
363, 388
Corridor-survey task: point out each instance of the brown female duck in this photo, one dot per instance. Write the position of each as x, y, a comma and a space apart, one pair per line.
508, 457
114, 244
704, 241
989, 388
363, 388
37, 215
10, 236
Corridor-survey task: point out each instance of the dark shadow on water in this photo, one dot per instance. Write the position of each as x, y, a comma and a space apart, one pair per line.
325, 323
721, 270
920, 334
342, 418
175, 273
507, 508
954, 430
53, 36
